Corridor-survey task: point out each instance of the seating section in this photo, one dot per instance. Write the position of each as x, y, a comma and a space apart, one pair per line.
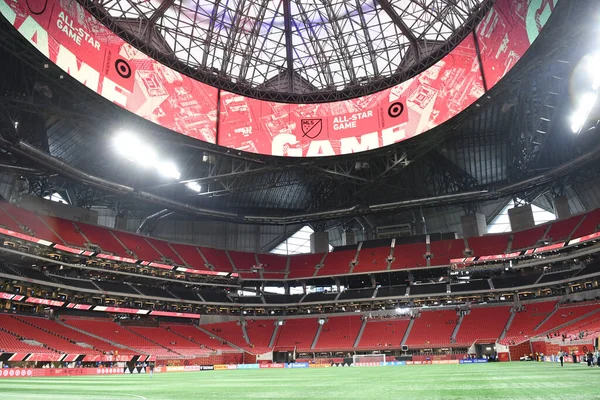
339, 333
566, 314
8, 222
103, 238
590, 224
587, 328
230, 331
260, 333
528, 238
195, 335
243, 261
35, 225
68, 231
138, 246
488, 245
372, 259
382, 334
10, 343
73, 335
165, 250
432, 329
297, 334
304, 265
168, 339
337, 263
409, 256
525, 321
561, 230
190, 255
217, 258
444, 250
273, 267
483, 325
119, 334
23, 328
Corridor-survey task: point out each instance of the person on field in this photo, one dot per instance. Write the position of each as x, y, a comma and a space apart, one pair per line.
562, 358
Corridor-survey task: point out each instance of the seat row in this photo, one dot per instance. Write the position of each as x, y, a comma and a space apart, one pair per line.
428, 329
363, 259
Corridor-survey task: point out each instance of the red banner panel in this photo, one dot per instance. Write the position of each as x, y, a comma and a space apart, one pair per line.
6, 296
45, 302
549, 247
159, 265
80, 45
278, 365
18, 235
584, 238
380, 119
174, 314
506, 33
116, 258
16, 373
120, 310
79, 306
76, 42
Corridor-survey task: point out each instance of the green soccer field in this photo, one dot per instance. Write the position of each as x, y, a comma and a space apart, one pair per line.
484, 381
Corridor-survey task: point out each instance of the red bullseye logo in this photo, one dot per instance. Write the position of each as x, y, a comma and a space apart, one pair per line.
123, 68
395, 110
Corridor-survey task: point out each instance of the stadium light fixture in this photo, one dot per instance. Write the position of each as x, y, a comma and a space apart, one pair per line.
125, 143
168, 170
194, 186
134, 149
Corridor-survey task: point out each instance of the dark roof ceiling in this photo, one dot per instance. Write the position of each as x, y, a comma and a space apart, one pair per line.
518, 134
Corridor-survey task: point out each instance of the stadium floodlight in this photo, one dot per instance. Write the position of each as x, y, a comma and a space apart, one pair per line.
586, 104
125, 143
134, 149
194, 186
594, 70
401, 310
168, 170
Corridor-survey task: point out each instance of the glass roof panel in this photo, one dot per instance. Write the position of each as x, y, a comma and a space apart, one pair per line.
333, 44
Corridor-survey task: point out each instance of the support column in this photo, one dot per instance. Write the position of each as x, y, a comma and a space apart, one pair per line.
348, 238
561, 207
319, 242
473, 225
521, 218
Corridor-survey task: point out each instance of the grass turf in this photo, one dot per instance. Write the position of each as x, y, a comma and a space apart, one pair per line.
513, 381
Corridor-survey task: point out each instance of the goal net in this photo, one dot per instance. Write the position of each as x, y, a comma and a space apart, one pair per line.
368, 360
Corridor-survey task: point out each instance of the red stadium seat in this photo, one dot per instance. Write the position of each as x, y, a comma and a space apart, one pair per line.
339, 333
383, 334
483, 325
432, 329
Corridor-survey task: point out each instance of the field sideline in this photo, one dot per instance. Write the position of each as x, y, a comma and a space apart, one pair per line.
529, 381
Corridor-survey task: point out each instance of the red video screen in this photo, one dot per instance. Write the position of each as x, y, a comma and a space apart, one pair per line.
79, 44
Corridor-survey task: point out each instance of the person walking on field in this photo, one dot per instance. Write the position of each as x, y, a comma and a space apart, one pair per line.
562, 358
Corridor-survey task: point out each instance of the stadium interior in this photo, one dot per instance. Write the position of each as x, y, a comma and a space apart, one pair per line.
194, 185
